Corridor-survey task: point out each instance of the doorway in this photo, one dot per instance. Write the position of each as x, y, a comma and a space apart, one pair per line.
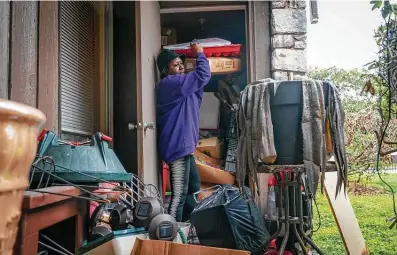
136, 43
125, 84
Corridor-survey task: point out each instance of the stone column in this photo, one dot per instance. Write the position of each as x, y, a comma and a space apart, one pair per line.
288, 31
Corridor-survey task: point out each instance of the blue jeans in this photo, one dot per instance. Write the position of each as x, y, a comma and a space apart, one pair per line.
185, 181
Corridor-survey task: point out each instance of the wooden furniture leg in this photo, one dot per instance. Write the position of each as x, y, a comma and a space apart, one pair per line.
25, 242
43, 210
80, 225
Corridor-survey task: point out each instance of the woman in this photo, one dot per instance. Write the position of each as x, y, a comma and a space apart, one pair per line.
179, 97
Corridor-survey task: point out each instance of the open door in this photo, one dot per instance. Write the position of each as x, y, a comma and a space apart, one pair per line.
148, 44
125, 85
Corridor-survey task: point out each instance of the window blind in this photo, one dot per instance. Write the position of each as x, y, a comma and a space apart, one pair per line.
79, 67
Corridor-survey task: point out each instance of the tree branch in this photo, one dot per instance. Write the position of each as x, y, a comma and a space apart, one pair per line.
389, 142
384, 153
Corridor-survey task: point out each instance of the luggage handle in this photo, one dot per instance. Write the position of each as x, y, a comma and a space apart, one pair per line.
41, 135
106, 138
61, 142
195, 195
103, 137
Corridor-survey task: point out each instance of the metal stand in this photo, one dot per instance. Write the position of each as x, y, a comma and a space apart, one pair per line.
129, 193
289, 180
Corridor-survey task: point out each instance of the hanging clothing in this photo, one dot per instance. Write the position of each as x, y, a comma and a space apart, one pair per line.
313, 131
256, 140
336, 120
322, 132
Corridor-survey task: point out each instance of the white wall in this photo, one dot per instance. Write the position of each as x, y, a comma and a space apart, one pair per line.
148, 34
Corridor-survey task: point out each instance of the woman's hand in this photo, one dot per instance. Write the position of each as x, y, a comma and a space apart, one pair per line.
196, 48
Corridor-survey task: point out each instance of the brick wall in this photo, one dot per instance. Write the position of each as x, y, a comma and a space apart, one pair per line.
288, 35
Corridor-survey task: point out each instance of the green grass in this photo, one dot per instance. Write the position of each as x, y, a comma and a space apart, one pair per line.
371, 213
391, 179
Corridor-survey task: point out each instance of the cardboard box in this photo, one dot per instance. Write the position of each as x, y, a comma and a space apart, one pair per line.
218, 65
168, 36
155, 247
112, 245
211, 147
214, 175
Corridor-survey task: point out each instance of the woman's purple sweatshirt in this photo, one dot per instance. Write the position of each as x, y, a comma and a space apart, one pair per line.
178, 107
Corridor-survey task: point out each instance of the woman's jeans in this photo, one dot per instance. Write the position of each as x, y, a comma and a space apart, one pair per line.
185, 181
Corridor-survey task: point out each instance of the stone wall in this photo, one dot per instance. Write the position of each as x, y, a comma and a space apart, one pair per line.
288, 33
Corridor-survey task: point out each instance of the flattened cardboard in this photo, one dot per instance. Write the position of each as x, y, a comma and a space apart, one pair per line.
207, 159
214, 175
155, 247
211, 147
345, 218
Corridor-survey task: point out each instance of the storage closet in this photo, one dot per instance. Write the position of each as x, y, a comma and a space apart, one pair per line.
229, 77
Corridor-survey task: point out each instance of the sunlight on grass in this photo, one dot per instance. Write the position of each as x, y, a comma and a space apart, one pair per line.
371, 213
391, 179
